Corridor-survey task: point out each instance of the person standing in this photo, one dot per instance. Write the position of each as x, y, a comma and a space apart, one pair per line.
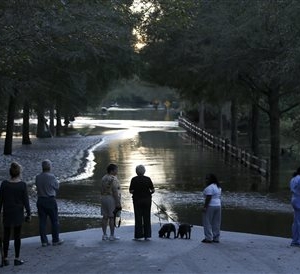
110, 200
141, 188
13, 200
212, 210
47, 186
295, 201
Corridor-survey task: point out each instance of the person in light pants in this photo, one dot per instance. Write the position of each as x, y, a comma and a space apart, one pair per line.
295, 201
212, 210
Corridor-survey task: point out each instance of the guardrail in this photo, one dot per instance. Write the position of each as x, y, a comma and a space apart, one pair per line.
239, 154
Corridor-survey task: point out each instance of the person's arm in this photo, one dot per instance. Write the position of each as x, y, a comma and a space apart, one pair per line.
151, 187
207, 201
131, 190
26, 203
55, 183
115, 192
1, 198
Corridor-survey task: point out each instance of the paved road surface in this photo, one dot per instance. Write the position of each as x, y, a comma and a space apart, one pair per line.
85, 252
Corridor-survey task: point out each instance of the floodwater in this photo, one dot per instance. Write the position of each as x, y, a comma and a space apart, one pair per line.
177, 166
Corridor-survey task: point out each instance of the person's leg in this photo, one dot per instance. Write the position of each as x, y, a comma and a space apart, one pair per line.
6, 237
207, 220
17, 241
53, 215
138, 226
216, 224
104, 227
146, 215
111, 222
42, 220
296, 228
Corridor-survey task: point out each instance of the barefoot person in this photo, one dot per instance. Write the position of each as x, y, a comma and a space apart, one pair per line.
13, 200
47, 187
110, 200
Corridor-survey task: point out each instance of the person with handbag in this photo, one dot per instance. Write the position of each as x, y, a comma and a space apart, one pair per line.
110, 201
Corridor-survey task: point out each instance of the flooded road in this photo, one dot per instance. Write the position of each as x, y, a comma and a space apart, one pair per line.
177, 166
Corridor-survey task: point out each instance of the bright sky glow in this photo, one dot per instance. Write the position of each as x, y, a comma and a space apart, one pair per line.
137, 6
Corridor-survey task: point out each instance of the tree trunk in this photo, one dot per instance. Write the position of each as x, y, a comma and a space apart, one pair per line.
233, 124
40, 123
51, 123
10, 125
58, 122
274, 115
254, 130
25, 129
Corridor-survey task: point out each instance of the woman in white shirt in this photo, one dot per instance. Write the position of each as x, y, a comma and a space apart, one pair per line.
212, 210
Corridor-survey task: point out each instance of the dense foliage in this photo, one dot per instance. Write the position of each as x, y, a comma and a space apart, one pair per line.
63, 55
212, 51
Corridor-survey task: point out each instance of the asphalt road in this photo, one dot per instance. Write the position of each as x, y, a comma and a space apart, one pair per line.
85, 252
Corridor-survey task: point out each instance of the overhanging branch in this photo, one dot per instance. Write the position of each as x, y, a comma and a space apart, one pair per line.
290, 107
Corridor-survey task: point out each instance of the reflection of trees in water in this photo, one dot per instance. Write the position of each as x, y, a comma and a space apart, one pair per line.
177, 168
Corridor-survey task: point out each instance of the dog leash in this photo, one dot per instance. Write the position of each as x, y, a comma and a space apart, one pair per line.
164, 211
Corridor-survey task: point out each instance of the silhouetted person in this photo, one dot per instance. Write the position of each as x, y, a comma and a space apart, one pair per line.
13, 200
47, 186
141, 188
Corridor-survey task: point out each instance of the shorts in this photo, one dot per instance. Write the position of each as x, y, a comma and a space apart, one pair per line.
108, 206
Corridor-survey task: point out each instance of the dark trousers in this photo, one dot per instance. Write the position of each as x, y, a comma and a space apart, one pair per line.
48, 207
17, 240
142, 216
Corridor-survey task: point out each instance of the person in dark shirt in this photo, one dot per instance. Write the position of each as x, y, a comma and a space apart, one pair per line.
47, 186
141, 188
13, 200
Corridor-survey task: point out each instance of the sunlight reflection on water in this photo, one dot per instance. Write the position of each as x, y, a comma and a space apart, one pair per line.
176, 165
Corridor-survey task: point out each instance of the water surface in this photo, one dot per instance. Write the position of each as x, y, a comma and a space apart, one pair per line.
177, 166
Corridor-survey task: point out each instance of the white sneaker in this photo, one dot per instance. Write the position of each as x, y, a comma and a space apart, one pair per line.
113, 238
104, 238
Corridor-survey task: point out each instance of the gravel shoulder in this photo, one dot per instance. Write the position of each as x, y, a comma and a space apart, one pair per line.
68, 155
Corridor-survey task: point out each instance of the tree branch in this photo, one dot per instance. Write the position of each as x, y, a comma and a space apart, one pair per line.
290, 107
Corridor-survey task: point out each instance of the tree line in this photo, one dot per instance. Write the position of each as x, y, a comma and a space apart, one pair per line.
244, 52
62, 56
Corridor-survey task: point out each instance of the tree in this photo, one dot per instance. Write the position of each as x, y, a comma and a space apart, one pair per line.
64, 54
219, 44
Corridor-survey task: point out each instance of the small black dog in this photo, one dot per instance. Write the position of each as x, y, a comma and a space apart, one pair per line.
184, 230
166, 230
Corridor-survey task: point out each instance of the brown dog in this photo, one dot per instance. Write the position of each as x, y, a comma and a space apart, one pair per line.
184, 230
166, 230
